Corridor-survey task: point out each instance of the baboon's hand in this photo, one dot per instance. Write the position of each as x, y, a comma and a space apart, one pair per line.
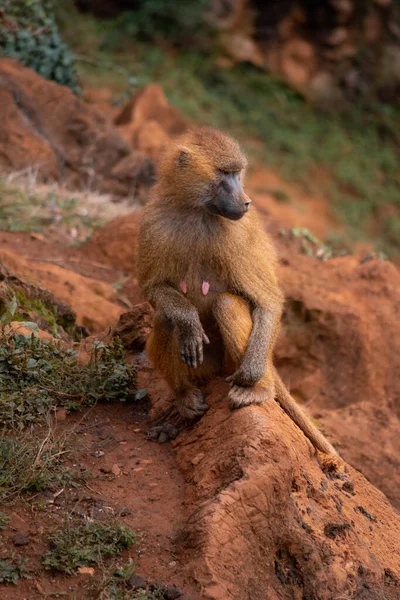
191, 338
247, 375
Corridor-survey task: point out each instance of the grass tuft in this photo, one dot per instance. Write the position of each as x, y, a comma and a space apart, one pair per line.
82, 545
12, 570
35, 376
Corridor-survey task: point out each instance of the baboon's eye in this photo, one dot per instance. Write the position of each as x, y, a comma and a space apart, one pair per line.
225, 172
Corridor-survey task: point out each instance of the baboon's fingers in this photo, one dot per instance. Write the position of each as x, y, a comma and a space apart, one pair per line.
193, 355
185, 355
205, 339
200, 352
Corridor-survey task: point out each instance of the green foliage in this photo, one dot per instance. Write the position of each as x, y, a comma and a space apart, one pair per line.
179, 23
35, 376
26, 206
392, 230
29, 34
11, 571
311, 245
33, 464
81, 545
119, 588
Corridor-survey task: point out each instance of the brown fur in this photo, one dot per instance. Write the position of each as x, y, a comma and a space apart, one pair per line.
237, 322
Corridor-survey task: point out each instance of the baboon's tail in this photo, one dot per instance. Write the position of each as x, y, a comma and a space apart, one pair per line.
297, 415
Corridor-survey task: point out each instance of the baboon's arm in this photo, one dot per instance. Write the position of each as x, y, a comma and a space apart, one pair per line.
253, 366
256, 281
178, 313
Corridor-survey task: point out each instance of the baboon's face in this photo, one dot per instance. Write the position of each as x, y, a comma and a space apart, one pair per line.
226, 197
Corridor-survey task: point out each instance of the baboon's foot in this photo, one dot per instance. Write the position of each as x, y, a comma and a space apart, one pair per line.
240, 396
190, 404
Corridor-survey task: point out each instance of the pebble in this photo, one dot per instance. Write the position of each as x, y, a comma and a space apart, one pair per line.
86, 571
136, 582
198, 458
124, 512
116, 470
163, 433
20, 539
138, 469
98, 453
172, 593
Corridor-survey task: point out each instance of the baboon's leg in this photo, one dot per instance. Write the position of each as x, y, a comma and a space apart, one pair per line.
163, 351
233, 317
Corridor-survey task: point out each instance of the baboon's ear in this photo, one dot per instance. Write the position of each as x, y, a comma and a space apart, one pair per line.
183, 156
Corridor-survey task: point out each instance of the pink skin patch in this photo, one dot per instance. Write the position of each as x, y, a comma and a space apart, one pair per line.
183, 287
205, 286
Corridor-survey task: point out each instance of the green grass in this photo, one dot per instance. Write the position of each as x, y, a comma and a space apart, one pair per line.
352, 158
36, 376
26, 206
35, 463
12, 570
85, 544
118, 587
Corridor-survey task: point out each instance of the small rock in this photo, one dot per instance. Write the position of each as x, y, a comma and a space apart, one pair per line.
116, 470
61, 414
137, 430
37, 236
170, 430
348, 486
154, 432
163, 433
98, 453
147, 461
172, 593
20, 539
39, 588
172, 563
138, 469
86, 571
136, 582
124, 512
198, 458
153, 484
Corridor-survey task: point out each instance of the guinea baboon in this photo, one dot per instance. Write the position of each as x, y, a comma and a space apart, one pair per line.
209, 270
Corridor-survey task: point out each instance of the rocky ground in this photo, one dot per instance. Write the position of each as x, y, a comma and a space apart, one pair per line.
237, 505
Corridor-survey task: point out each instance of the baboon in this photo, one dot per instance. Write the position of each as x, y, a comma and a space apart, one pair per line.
209, 270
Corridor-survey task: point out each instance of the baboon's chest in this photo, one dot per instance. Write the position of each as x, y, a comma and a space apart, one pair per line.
200, 284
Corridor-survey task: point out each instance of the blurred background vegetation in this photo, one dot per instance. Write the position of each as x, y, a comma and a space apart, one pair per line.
311, 89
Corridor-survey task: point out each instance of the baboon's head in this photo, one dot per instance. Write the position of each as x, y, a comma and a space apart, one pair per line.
204, 170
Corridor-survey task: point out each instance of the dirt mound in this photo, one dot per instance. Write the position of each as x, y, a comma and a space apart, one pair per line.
45, 126
92, 300
147, 121
266, 516
338, 353
116, 242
